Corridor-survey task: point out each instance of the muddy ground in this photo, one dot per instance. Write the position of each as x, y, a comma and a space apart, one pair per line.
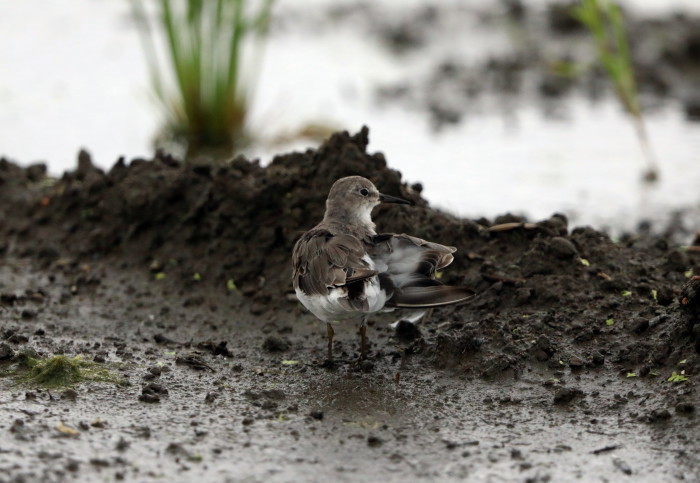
177, 278
546, 56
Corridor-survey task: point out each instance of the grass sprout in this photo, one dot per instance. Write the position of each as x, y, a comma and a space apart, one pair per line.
675, 377
603, 20
203, 84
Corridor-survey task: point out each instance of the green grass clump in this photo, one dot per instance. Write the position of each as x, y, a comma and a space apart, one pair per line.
204, 42
604, 21
58, 371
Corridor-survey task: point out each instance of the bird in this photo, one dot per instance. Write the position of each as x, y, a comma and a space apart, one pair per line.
343, 269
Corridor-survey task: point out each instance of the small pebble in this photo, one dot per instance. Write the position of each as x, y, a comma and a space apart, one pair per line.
69, 395
374, 442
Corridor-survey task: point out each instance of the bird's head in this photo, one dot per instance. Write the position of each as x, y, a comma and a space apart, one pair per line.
351, 200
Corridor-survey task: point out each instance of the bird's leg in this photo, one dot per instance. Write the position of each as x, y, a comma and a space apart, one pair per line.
363, 339
404, 359
330, 332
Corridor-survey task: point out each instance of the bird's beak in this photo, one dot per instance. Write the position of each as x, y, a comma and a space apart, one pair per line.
393, 199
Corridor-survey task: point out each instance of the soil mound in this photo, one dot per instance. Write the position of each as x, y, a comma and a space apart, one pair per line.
546, 294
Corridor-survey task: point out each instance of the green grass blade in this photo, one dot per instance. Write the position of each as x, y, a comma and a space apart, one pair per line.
605, 23
175, 49
235, 47
145, 36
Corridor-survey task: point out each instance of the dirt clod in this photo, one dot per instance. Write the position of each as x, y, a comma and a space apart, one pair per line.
690, 296
122, 445
374, 441
152, 392
658, 414
274, 343
28, 314
69, 395
685, 407
562, 248
565, 395
6, 352
622, 466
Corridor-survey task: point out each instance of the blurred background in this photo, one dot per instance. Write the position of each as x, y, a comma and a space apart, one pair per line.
493, 106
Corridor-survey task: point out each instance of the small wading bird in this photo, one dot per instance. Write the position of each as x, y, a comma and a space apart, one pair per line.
343, 269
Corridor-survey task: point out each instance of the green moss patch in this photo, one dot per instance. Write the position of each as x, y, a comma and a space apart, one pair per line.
58, 371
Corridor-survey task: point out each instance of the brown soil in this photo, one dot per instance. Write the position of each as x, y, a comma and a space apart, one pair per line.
178, 277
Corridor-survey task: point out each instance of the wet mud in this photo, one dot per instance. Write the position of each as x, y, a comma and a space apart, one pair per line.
578, 358
546, 57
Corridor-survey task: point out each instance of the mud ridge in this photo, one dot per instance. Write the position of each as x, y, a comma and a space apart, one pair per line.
546, 294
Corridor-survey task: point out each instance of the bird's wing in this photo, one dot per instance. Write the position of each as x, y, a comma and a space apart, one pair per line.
323, 260
408, 259
407, 267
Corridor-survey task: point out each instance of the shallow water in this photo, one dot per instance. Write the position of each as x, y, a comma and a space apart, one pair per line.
87, 87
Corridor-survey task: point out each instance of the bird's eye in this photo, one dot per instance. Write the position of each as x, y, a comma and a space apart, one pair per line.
364, 191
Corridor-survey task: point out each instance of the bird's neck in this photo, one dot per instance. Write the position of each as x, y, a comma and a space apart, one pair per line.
357, 222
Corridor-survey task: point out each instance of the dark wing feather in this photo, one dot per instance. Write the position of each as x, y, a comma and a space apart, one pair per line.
323, 260
407, 267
